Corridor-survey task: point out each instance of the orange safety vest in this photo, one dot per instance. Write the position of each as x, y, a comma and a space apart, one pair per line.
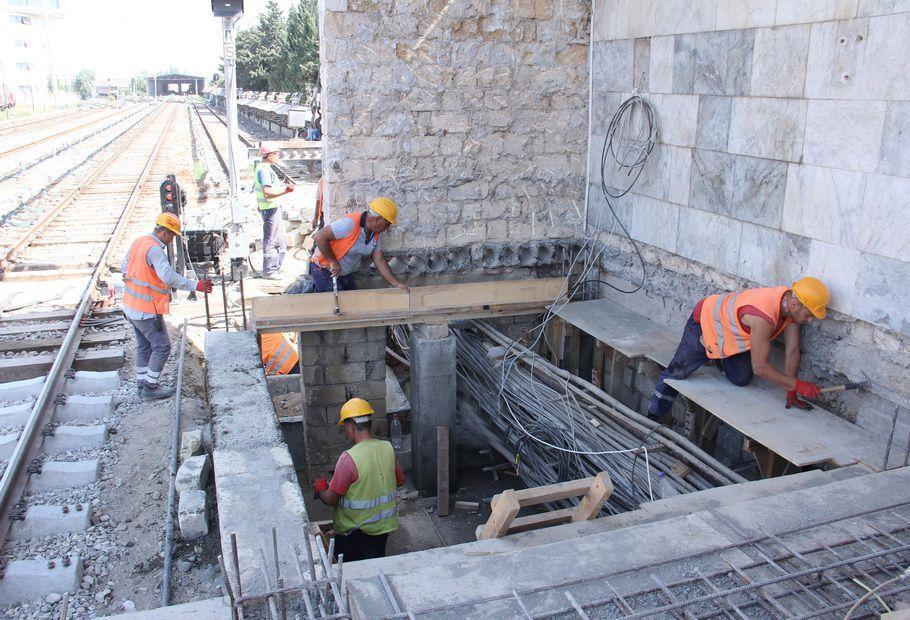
279, 354
143, 290
722, 332
341, 246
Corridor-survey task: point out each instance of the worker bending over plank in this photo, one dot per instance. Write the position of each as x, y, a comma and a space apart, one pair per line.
279, 354
342, 245
364, 487
147, 281
735, 330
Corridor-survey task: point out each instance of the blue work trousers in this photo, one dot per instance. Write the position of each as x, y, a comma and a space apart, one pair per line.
273, 241
153, 345
322, 279
690, 356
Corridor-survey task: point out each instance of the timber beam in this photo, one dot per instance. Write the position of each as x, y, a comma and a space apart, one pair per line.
424, 304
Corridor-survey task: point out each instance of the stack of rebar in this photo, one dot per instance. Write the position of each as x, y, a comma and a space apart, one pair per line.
555, 426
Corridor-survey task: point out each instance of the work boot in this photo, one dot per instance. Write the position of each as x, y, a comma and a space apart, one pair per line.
155, 392
139, 386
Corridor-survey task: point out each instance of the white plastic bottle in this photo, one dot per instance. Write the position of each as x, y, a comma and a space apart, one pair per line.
395, 432
666, 487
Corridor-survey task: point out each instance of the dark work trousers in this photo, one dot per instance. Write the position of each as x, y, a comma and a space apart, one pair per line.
359, 546
322, 279
690, 356
273, 241
153, 345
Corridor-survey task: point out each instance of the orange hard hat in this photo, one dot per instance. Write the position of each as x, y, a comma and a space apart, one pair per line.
170, 221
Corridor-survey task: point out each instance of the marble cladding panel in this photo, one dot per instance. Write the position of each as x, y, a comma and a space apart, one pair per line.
612, 65
844, 134
806, 11
660, 72
710, 239
711, 184
820, 60
881, 292
758, 190
885, 221
869, 8
837, 267
824, 203
733, 14
648, 220
679, 172
713, 126
713, 63
768, 255
895, 153
682, 16
677, 117
779, 61
767, 127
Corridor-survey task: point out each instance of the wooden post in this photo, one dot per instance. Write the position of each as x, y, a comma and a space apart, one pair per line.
505, 507
442, 471
591, 504
303, 420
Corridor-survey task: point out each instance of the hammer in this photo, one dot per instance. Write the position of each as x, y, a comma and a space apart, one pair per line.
337, 310
859, 385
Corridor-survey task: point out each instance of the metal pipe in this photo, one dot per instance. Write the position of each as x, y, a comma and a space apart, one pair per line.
242, 299
172, 487
224, 301
890, 438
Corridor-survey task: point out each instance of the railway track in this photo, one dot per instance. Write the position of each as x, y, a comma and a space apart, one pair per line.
58, 370
24, 126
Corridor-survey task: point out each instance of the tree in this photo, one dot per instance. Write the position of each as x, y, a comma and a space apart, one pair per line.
261, 51
84, 83
302, 60
138, 84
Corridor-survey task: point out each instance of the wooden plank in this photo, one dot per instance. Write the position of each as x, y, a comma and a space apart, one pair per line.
505, 508
553, 492
630, 333
543, 519
46, 344
801, 437
591, 504
442, 471
313, 312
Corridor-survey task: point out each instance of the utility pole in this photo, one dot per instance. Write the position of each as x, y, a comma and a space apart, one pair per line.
230, 94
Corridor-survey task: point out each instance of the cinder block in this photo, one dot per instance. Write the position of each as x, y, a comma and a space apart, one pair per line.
86, 381
31, 580
190, 444
348, 373
21, 390
84, 408
45, 520
67, 438
64, 475
193, 474
193, 515
376, 370
15, 415
7, 445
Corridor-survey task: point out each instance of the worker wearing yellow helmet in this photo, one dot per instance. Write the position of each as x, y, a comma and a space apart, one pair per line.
147, 281
342, 245
364, 487
736, 329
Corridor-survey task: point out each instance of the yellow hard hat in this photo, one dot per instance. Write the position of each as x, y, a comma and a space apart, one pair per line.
385, 207
813, 294
170, 221
354, 408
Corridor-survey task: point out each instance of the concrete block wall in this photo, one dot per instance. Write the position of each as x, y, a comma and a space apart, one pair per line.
471, 115
783, 151
336, 366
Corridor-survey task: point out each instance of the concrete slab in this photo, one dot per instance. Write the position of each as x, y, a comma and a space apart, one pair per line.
84, 408
250, 484
88, 381
210, 609
7, 445
64, 475
15, 415
190, 444
244, 416
46, 520
193, 514
20, 390
193, 474
66, 438
30, 580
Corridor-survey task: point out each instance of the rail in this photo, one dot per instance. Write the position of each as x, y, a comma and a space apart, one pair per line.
14, 478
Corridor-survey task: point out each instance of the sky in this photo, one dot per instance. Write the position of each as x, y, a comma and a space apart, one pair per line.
121, 38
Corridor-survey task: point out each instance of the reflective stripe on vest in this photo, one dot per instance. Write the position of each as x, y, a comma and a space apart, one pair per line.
143, 290
370, 503
261, 199
279, 355
340, 247
722, 333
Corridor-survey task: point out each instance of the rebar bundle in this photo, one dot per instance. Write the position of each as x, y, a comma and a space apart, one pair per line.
555, 426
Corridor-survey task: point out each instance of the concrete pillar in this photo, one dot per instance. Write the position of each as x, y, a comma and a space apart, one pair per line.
433, 400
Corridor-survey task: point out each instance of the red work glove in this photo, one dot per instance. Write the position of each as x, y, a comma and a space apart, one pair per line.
204, 286
794, 401
319, 485
807, 390
288, 189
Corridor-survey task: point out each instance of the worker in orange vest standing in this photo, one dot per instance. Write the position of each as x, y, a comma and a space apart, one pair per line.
147, 282
735, 330
279, 354
343, 244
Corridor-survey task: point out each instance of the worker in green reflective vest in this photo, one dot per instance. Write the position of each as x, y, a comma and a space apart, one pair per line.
364, 487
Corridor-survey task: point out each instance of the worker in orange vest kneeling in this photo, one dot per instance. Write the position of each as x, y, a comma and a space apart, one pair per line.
147, 281
279, 354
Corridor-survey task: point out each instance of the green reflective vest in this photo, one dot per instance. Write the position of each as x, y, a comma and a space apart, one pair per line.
370, 503
263, 202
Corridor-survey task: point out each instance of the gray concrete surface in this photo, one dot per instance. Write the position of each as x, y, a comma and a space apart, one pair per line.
57, 475
209, 609
15, 415
27, 580
46, 520
193, 514
88, 381
84, 408
67, 438
20, 390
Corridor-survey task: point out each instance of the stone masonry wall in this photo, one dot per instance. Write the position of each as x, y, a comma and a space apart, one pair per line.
471, 115
336, 366
783, 151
